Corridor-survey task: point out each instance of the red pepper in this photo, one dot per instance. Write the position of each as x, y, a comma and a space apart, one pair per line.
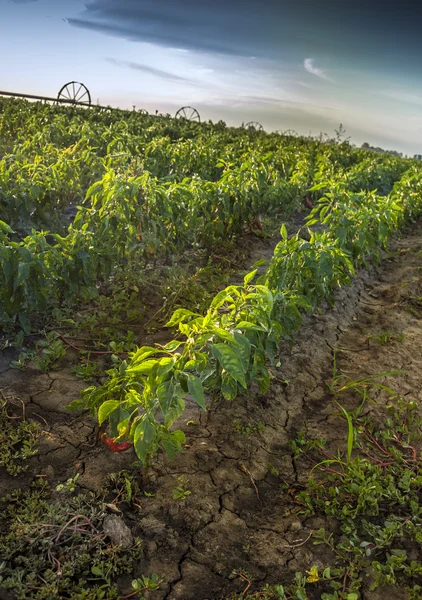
115, 446
308, 203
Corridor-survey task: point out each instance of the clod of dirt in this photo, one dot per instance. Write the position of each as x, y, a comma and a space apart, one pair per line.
118, 532
152, 527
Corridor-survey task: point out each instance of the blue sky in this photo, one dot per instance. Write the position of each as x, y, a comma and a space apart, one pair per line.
306, 65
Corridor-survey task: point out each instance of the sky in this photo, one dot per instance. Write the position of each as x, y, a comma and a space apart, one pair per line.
305, 65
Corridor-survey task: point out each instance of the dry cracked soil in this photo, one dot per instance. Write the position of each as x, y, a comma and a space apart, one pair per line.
238, 516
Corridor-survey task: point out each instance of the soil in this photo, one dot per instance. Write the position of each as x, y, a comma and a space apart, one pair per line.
237, 516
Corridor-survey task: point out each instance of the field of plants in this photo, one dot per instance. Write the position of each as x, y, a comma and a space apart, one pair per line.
210, 346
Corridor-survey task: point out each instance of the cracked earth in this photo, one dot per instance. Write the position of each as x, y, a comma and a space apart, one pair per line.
238, 516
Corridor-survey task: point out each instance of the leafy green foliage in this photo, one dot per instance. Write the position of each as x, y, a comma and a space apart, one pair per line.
375, 496
53, 546
144, 188
18, 437
228, 348
181, 492
372, 491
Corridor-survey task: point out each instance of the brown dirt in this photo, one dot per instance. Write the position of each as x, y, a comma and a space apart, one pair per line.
237, 516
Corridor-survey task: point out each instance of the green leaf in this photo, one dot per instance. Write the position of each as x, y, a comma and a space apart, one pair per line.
172, 346
106, 409
263, 380
248, 326
25, 322
243, 346
165, 365
143, 438
179, 316
248, 278
144, 367
115, 419
327, 573
165, 393
260, 263
220, 299
231, 361
196, 391
23, 273
283, 232
5, 228
350, 432
228, 387
142, 353
223, 334
149, 432
173, 443
122, 428
174, 410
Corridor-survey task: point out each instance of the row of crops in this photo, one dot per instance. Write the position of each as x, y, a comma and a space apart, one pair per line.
86, 194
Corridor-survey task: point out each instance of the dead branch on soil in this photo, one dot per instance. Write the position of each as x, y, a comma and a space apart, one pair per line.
245, 470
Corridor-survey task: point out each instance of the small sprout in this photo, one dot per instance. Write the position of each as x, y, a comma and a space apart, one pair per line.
313, 575
69, 485
146, 583
272, 470
180, 492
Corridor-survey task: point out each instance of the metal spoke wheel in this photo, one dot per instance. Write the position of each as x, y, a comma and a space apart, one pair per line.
189, 113
291, 132
254, 125
75, 92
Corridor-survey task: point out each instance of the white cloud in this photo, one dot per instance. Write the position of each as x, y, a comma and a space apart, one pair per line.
311, 68
403, 96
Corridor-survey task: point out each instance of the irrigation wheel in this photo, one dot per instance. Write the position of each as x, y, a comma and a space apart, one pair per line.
189, 113
291, 132
75, 92
254, 125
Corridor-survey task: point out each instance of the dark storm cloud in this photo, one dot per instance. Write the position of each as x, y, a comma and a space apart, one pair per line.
380, 32
149, 70
159, 36
219, 26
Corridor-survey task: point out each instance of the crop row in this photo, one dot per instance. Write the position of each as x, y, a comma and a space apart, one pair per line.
236, 341
49, 158
145, 188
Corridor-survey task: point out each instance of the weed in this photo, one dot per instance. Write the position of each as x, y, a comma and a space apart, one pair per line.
272, 470
46, 354
69, 485
54, 546
375, 496
146, 583
124, 487
385, 337
181, 492
87, 369
372, 490
18, 437
248, 428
